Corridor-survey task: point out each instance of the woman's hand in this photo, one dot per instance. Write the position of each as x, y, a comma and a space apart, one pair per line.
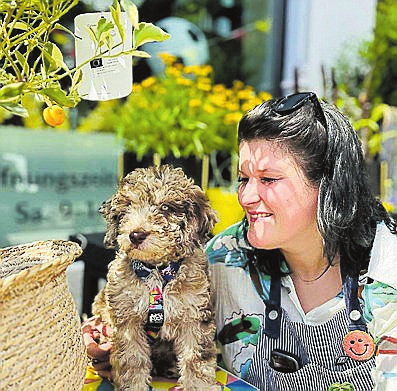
96, 336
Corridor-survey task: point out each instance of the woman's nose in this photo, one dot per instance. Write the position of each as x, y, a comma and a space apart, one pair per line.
249, 194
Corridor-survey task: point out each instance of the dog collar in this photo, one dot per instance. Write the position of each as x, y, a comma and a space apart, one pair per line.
167, 272
156, 300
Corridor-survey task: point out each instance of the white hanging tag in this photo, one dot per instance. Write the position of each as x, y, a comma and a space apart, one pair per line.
103, 78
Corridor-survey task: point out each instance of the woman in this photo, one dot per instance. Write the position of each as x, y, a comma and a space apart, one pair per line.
306, 285
301, 280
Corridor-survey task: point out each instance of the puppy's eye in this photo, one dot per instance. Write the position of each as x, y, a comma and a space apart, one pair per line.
168, 209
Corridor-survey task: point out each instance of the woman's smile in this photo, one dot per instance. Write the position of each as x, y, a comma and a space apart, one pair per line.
254, 216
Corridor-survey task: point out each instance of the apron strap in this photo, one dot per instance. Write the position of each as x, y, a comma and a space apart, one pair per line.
353, 307
273, 303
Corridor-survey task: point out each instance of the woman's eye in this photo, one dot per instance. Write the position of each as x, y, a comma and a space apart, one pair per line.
242, 180
267, 180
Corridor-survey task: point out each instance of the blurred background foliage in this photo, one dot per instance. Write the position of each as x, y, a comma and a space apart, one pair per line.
367, 91
381, 80
181, 113
194, 111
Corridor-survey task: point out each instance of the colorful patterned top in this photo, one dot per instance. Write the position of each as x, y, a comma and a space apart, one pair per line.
236, 298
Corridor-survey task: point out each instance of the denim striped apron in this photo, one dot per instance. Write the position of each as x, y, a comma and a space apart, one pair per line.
318, 348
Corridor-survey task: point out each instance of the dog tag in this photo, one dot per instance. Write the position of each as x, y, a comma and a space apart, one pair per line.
155, 317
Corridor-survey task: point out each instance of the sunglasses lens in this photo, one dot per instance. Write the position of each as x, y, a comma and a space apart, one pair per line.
293, 102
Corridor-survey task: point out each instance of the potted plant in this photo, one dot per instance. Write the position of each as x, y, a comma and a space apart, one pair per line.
181, 114
32, 64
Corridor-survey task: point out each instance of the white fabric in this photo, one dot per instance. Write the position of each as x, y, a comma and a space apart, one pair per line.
383, 263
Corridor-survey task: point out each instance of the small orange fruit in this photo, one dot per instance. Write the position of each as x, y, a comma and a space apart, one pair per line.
54, 115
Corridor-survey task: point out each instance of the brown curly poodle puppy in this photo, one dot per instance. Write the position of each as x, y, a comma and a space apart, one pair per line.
157, 296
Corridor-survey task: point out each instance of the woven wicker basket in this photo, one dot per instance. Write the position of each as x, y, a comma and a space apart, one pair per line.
40, 340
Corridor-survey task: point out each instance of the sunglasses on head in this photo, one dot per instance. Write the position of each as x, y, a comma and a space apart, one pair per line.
290, 103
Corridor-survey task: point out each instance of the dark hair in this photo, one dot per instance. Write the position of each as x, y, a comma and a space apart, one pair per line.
332, 160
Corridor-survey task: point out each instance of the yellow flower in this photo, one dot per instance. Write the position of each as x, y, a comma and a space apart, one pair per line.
206, 69
204, 86
232, 118
194, 102
198, 70
204, 80
264, 95
250, 104
167, 58
218, 88
150, 81
238, 85
184, 82
173, 72
245, 94
136, 88
209, 108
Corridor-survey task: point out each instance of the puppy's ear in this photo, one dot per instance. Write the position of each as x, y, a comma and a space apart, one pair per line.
112, 217
205, 215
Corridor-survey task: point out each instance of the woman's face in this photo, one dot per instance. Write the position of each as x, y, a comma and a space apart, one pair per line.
279, 204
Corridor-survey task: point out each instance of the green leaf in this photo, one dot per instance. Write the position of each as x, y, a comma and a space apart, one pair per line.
58, 96
53, 57
58, 26
102, 33
140, 53
366, 123
11, 92
77, 77
197, 143
21, 26
22, 61
375, 144
378, 112
131, 52
92, 34
103, 27
175, 150
116, 15
132, 11
15, 108
148, 32
50, 64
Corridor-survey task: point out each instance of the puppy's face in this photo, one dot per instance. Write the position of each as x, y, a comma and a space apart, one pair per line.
158, 215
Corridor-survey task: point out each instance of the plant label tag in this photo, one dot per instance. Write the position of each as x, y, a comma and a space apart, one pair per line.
108, 75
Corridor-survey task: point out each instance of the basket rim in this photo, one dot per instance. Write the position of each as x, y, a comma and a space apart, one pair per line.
41, 273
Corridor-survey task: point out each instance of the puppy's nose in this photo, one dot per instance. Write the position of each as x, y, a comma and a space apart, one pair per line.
137, 237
